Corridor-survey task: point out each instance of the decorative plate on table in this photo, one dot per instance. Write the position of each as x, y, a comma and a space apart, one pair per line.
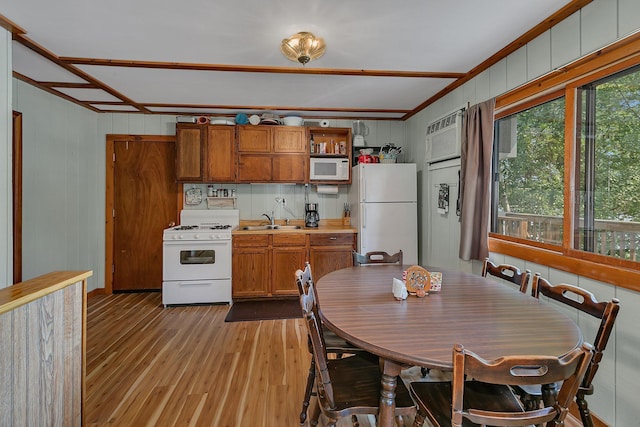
418, 281
193, 196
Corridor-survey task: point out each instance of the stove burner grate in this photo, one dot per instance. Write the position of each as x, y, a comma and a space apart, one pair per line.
186, 227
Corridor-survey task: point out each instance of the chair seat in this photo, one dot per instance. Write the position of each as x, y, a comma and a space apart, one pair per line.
356, 385
335, 344
435, 397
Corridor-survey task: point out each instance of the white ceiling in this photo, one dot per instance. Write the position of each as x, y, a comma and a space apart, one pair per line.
184, 44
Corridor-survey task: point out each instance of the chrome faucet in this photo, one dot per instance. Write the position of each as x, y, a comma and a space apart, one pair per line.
270, 218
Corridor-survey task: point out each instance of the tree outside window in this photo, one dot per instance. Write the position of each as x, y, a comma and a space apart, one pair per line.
608, 151
529, 158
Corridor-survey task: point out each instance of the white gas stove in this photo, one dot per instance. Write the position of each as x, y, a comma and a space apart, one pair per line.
196, 260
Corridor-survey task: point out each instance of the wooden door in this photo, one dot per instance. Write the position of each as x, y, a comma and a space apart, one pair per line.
289, 168
220, 154
145, 200
188, 158
254, 168
251, 266
289, 254
254, 139
289, 140
330, 252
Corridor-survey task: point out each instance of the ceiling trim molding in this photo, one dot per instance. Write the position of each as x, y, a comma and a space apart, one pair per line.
53, 91
30, 44
8, 25
276, 107
70, 85
259, 69
521, 41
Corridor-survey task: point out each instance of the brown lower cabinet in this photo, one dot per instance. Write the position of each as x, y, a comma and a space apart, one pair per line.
330, 252
264, 264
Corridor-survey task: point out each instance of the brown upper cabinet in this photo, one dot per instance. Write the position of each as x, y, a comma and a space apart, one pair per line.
272, 154
220, 156
252, 154
205, 153
189, 152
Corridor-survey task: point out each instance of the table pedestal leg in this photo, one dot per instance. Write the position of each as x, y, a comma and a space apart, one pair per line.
390, 372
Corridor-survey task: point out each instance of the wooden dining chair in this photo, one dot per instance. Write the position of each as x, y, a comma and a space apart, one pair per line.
507, 272
480, 393
585, 301
348, 385
334, 345
377, 257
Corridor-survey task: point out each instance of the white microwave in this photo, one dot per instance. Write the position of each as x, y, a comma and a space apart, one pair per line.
329, 169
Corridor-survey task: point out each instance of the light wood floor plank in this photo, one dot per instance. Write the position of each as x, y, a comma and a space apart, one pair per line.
184, 366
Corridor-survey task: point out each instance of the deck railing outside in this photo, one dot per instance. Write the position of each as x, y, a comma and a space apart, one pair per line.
620, 239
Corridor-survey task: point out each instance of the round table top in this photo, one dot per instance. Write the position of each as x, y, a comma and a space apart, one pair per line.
489, 318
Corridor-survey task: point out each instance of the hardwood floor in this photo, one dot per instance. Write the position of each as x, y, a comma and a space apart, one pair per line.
184, 366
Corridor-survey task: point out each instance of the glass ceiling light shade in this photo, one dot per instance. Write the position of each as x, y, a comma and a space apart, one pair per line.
303, 47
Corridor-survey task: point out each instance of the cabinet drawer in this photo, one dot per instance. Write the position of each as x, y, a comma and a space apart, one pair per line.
289, 239
253, 240
331, 239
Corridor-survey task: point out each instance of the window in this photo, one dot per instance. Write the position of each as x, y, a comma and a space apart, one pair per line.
608, 161
566, 190
528, 196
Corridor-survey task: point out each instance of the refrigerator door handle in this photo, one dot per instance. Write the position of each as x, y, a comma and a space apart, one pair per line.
363, 221
363, 186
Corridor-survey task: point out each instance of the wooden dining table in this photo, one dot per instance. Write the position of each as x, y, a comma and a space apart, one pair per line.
489, 318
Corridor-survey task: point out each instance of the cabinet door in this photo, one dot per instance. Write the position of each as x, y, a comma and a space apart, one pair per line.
284, 263
250, 272
288, 139
254, 139
326, 259
220, 154
330, 252
188, 153
289, 168
254, 168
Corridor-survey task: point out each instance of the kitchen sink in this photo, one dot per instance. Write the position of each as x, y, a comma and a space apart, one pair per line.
258, 227
270, 227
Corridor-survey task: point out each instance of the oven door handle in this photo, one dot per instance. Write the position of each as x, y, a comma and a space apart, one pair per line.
185, 284
197, 242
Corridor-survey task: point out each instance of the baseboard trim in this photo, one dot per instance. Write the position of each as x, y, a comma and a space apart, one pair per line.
99, 291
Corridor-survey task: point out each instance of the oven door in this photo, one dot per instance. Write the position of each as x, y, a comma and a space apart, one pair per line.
196, 260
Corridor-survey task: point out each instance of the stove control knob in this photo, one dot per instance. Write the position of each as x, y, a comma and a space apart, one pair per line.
180, 236
196, 236
213, 236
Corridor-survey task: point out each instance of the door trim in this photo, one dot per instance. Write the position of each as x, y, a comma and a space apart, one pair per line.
17, 196
110, 196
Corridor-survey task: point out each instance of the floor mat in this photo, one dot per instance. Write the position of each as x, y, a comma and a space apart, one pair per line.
243, 311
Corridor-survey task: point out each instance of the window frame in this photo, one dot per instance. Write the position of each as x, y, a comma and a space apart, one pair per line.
566, 81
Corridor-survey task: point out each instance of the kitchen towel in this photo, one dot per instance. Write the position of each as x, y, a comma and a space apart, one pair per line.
443, 199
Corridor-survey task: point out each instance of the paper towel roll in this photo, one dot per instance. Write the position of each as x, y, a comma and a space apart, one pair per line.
328, 189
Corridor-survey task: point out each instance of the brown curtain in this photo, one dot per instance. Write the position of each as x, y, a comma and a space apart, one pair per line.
475, 180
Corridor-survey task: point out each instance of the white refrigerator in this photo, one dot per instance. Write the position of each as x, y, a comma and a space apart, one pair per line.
383, 203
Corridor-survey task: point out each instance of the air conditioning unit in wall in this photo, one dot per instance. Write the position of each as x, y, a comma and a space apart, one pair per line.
444, 137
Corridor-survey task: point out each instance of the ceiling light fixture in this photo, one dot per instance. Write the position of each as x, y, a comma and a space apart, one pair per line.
303, 47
